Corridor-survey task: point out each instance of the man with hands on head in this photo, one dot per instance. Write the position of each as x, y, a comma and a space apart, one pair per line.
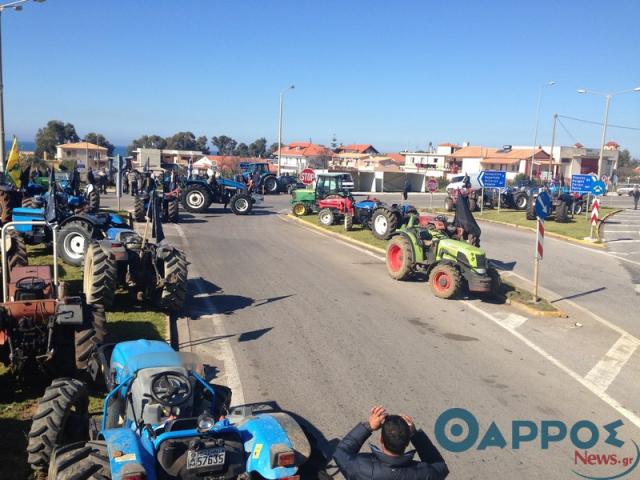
390, 460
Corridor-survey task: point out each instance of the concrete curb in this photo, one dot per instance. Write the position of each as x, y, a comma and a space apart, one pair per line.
534, 312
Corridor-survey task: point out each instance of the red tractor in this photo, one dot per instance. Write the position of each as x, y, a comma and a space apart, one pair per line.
40, 326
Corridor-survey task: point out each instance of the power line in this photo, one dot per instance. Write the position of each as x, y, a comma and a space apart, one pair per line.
599, 123
575, 140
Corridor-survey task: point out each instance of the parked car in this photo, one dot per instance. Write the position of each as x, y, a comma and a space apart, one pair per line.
626, 188
288, 183
456, 183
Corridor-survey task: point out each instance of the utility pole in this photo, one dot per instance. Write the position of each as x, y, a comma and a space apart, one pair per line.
553, 143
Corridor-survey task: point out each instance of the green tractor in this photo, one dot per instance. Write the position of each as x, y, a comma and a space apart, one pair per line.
451, 265
305, 201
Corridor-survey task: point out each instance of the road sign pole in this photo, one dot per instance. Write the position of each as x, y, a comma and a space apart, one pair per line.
586, 210
482, 202
538, 256
431, 201
499, 195
119, 180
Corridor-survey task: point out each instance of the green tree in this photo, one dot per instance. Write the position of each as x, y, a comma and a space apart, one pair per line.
100, 140
242, 150
258, 148
182, 141
201, 144
273, 149
147, 141
624, 160
53, 134
225, 145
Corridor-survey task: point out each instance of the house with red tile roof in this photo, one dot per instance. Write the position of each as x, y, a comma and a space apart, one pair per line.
435, 162
297, 156
511, 160
357, 148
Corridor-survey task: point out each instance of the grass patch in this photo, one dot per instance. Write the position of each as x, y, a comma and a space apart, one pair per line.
516, 294
129, 320
358, 233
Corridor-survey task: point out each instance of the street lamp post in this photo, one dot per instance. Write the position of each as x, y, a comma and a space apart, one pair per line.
16, 6
607, 103
291, 87
535, 135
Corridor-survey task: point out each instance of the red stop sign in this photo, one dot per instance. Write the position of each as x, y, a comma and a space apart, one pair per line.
307, 176
432, 185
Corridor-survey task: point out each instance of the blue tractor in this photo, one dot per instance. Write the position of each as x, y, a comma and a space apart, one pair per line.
198, 195
161, 419
68, 192
269, 183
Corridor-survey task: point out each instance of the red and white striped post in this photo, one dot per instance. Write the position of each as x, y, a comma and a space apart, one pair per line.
539, 255
595, 215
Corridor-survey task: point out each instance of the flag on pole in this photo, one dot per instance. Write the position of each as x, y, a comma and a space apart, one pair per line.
190, 169
13, 168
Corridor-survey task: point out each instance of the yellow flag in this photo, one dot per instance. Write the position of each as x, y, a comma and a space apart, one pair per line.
13, 168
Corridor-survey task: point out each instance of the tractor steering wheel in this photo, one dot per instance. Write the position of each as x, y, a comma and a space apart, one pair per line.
31, 284
170, 388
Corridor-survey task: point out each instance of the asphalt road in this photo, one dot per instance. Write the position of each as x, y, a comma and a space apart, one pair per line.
318, 327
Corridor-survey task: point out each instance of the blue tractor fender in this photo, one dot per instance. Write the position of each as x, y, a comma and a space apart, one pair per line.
129, 357
232, 184
265, 435
20, 214
367, 204
133, 454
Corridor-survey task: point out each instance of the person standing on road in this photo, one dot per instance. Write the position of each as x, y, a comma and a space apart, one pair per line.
407, 187
390, 461
91, 179
133, 182
636, 196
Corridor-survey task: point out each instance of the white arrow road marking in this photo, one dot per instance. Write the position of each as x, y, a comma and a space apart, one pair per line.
607, 369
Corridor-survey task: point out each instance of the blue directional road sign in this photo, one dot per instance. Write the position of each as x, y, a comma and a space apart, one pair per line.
543, 205
581, 183
492, 179
598, 188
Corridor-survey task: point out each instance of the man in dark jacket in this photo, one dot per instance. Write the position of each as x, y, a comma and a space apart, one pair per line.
390, 461
636, 197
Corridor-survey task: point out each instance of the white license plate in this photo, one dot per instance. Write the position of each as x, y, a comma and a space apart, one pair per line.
209, 457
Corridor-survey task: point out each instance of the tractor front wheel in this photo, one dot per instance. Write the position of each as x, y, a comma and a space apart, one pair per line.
521, 201
72, 242
61, 418
196, 199
93, 201
562, 213
88, 460
326, 217
383, 223
174, 290
90, 334
348, 222
138, 209
100, 276
445, 281
241, 204
16, 251
399, 258
299, 209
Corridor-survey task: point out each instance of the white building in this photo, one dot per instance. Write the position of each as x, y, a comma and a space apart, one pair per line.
84, 154
157, 157
434, 163
297, 156
507, 159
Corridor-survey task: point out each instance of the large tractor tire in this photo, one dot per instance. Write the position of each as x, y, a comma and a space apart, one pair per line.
241, 203
86, 461
579, 208
91, 334
445, 281
531, 209
93, 201
348, 222
270, 185
174, 290
173, 210
383, 223
16, 251
448, 204
521, 201
61, 418
299, 209
496, 282
138, 209
326, 217
6, 207
72, 242
399, 258
99, 278
196, 199
562, 213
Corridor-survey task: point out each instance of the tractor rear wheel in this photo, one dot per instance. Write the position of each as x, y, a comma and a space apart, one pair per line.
521, 201
270, 185
93, 201
299, 209
531, 209
562, 213
174, 290
16, 251
383, 223
6, 207
348, 222
400, 258
87, 461
196, 199
496, 282
445, 281
326, 217
579, 208
61, 418
90, 334
448, 204
72, 242
173, 210
100, 276
138, 209
241, 203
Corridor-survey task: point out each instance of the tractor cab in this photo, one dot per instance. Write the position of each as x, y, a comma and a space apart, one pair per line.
333, 184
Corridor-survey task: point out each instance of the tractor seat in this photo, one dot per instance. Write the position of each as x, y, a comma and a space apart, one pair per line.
30, 288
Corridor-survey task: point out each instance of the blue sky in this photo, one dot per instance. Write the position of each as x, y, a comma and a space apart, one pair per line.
396, 74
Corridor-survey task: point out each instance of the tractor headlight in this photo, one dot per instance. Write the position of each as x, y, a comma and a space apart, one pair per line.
205, 422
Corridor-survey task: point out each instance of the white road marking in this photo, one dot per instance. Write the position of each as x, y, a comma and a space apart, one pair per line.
607, 369
593, 250
637, 288
622, 241
232, 376
511, 320
620, 231
613, 403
